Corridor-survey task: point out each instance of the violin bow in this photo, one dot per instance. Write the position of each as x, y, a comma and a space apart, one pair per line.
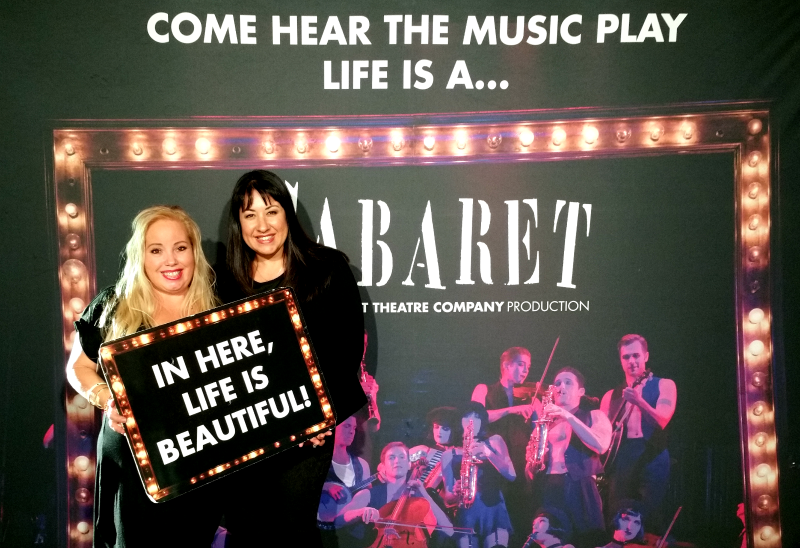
462, 530
663, 541
546, 367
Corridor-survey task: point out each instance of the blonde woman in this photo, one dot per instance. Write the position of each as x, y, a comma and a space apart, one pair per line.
166, 277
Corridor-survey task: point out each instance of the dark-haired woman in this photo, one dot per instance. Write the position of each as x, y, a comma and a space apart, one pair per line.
266, 249
487, 515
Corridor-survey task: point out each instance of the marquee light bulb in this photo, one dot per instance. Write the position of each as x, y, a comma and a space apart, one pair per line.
82, 527
73, 241
69, 149
767, 532
623, 134
760, 439
753, 190
137, 149
590, 134
77, 305
301, 145
169, 146
269, 146
754, 126
756, 316
526, 138
764, 502
763, 470
753, 158
756, 347
429, 142
333, 143
71, 210
461, 141
753, 222
82, 463
202, 145
559, 136
759, 377
759, 408
656, 133
397, 142
365, 144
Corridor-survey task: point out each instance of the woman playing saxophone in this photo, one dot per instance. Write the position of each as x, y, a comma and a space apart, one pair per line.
486, 464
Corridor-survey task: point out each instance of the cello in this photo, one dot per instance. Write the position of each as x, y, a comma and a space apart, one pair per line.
401, 521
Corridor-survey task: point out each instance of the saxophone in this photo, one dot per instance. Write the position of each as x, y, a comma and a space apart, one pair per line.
537, 445
469, 471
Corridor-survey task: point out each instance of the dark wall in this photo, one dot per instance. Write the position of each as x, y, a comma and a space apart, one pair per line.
87, 60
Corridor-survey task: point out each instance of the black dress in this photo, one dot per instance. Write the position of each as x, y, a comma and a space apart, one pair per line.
278, 498
123, 514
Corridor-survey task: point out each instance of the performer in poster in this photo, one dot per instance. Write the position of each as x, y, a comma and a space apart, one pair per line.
551, 529
512, 418
267, 248
166, 277
576, 438
627, 525
417, 506
641, 409
486, 513
444, 422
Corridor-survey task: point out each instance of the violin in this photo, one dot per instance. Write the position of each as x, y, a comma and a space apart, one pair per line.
401, 521
525, 391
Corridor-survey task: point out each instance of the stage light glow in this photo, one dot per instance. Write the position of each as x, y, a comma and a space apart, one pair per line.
756, 347
526, 138
365, 144
397, 142
74, 270
202, 145
73, 241
756, 316
559, 136
754, 126
590, 135
333, 143
71, 210
656, 132
428, 142
169, 146
753, 158
82, 463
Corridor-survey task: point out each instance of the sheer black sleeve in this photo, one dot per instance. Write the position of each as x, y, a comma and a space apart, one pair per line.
90, 332
335, 324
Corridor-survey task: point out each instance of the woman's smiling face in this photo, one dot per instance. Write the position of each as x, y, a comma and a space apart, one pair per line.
168, 257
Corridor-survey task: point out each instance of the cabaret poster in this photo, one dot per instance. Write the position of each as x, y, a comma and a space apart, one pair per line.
526, 194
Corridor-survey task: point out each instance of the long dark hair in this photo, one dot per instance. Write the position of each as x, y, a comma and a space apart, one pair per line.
305, 271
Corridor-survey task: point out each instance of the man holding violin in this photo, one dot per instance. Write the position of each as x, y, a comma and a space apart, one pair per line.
401, 506
511, 414
640, 410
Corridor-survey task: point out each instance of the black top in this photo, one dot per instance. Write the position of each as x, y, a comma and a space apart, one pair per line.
123, 514
335, 323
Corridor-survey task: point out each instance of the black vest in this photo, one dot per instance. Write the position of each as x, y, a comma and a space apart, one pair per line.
580, 460
656, 437
512, 428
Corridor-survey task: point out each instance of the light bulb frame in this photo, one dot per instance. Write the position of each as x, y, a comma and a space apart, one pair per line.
742, 129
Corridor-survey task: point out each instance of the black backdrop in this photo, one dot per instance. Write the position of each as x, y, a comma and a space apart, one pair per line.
81, 60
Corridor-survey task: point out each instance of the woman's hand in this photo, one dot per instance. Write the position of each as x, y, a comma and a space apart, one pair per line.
115, 420
317, 440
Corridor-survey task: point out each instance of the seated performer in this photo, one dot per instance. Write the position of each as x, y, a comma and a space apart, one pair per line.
369, 505
487, 514
512, 418
551, 529
443, 421
575, 439
640, 468
627, 525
